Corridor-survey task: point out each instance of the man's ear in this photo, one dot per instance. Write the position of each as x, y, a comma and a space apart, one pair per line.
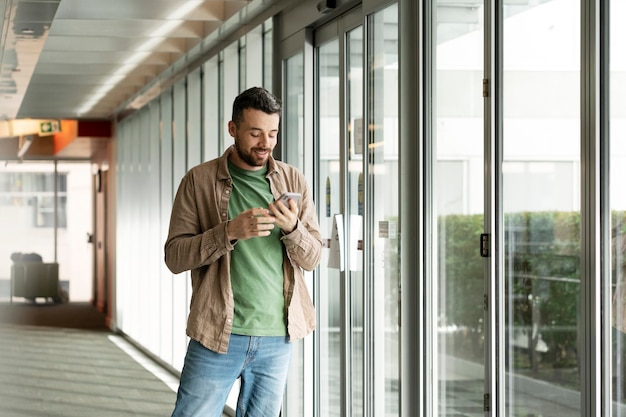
232, 128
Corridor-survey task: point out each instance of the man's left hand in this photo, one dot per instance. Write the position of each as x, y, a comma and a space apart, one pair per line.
286, 216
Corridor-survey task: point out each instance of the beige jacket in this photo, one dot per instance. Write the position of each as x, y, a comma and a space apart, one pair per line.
197, 241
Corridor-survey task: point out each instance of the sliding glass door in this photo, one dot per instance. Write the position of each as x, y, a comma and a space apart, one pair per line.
357, 195
341, 194
540, 198
457, 327
506, 171
329, 199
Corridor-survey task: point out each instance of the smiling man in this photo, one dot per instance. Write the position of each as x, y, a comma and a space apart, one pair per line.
249, 297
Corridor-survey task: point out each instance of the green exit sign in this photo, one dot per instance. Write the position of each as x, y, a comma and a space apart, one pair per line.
48, 128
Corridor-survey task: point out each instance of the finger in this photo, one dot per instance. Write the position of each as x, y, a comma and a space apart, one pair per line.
255, 212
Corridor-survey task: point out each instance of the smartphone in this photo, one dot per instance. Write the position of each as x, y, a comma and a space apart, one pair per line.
286, 197
289, 196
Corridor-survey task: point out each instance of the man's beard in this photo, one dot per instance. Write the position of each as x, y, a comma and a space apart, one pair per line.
249, 158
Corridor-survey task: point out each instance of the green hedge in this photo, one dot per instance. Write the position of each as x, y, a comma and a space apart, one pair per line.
541, 265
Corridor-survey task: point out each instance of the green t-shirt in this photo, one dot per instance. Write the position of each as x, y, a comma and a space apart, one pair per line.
256, 265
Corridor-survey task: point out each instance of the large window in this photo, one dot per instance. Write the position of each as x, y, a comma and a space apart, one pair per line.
536, 203
457, 152
36, 192
45, 208
541, 207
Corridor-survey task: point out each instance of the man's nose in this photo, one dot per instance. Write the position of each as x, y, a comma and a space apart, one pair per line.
265, 139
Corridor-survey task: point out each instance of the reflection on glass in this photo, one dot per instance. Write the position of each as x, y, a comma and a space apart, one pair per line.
229, 88
457, 342
541, 204
293, 126
382, 223
618, 202
267, 54
329, 204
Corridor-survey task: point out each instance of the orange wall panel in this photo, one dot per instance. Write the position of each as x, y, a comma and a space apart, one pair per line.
69, 132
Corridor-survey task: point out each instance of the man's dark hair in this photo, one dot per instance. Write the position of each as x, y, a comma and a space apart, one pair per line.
257, 98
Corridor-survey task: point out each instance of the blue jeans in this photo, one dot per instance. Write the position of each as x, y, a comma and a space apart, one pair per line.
262, 364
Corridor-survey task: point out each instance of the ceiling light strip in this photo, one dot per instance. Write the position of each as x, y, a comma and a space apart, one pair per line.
173, 20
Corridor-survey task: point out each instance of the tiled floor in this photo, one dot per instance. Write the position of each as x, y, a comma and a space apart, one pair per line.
46, 371
75, 371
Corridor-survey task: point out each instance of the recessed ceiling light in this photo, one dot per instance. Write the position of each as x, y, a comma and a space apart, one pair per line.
27, 31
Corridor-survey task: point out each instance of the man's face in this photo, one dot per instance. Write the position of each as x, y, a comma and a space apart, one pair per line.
255, 138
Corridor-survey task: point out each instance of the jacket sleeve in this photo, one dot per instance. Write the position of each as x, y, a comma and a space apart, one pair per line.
304, 244
188, 246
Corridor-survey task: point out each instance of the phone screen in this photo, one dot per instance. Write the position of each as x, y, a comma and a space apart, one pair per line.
286, 197
290, 196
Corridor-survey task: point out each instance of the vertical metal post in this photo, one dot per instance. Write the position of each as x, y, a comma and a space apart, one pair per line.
55, 219
603, 31
494, 399
412, 346
594, 216
344, 275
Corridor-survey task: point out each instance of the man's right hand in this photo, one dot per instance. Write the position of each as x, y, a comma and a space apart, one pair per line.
253, 222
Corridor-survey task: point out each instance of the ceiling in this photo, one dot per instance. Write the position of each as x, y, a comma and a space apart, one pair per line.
92, 59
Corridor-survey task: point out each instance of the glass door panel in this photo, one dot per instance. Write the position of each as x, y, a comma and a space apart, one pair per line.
329, 205
341, 287
357, 300
292, 138
74, 209
457, 210
381, 223
618, 202
354, 220
541, 207
45, 214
